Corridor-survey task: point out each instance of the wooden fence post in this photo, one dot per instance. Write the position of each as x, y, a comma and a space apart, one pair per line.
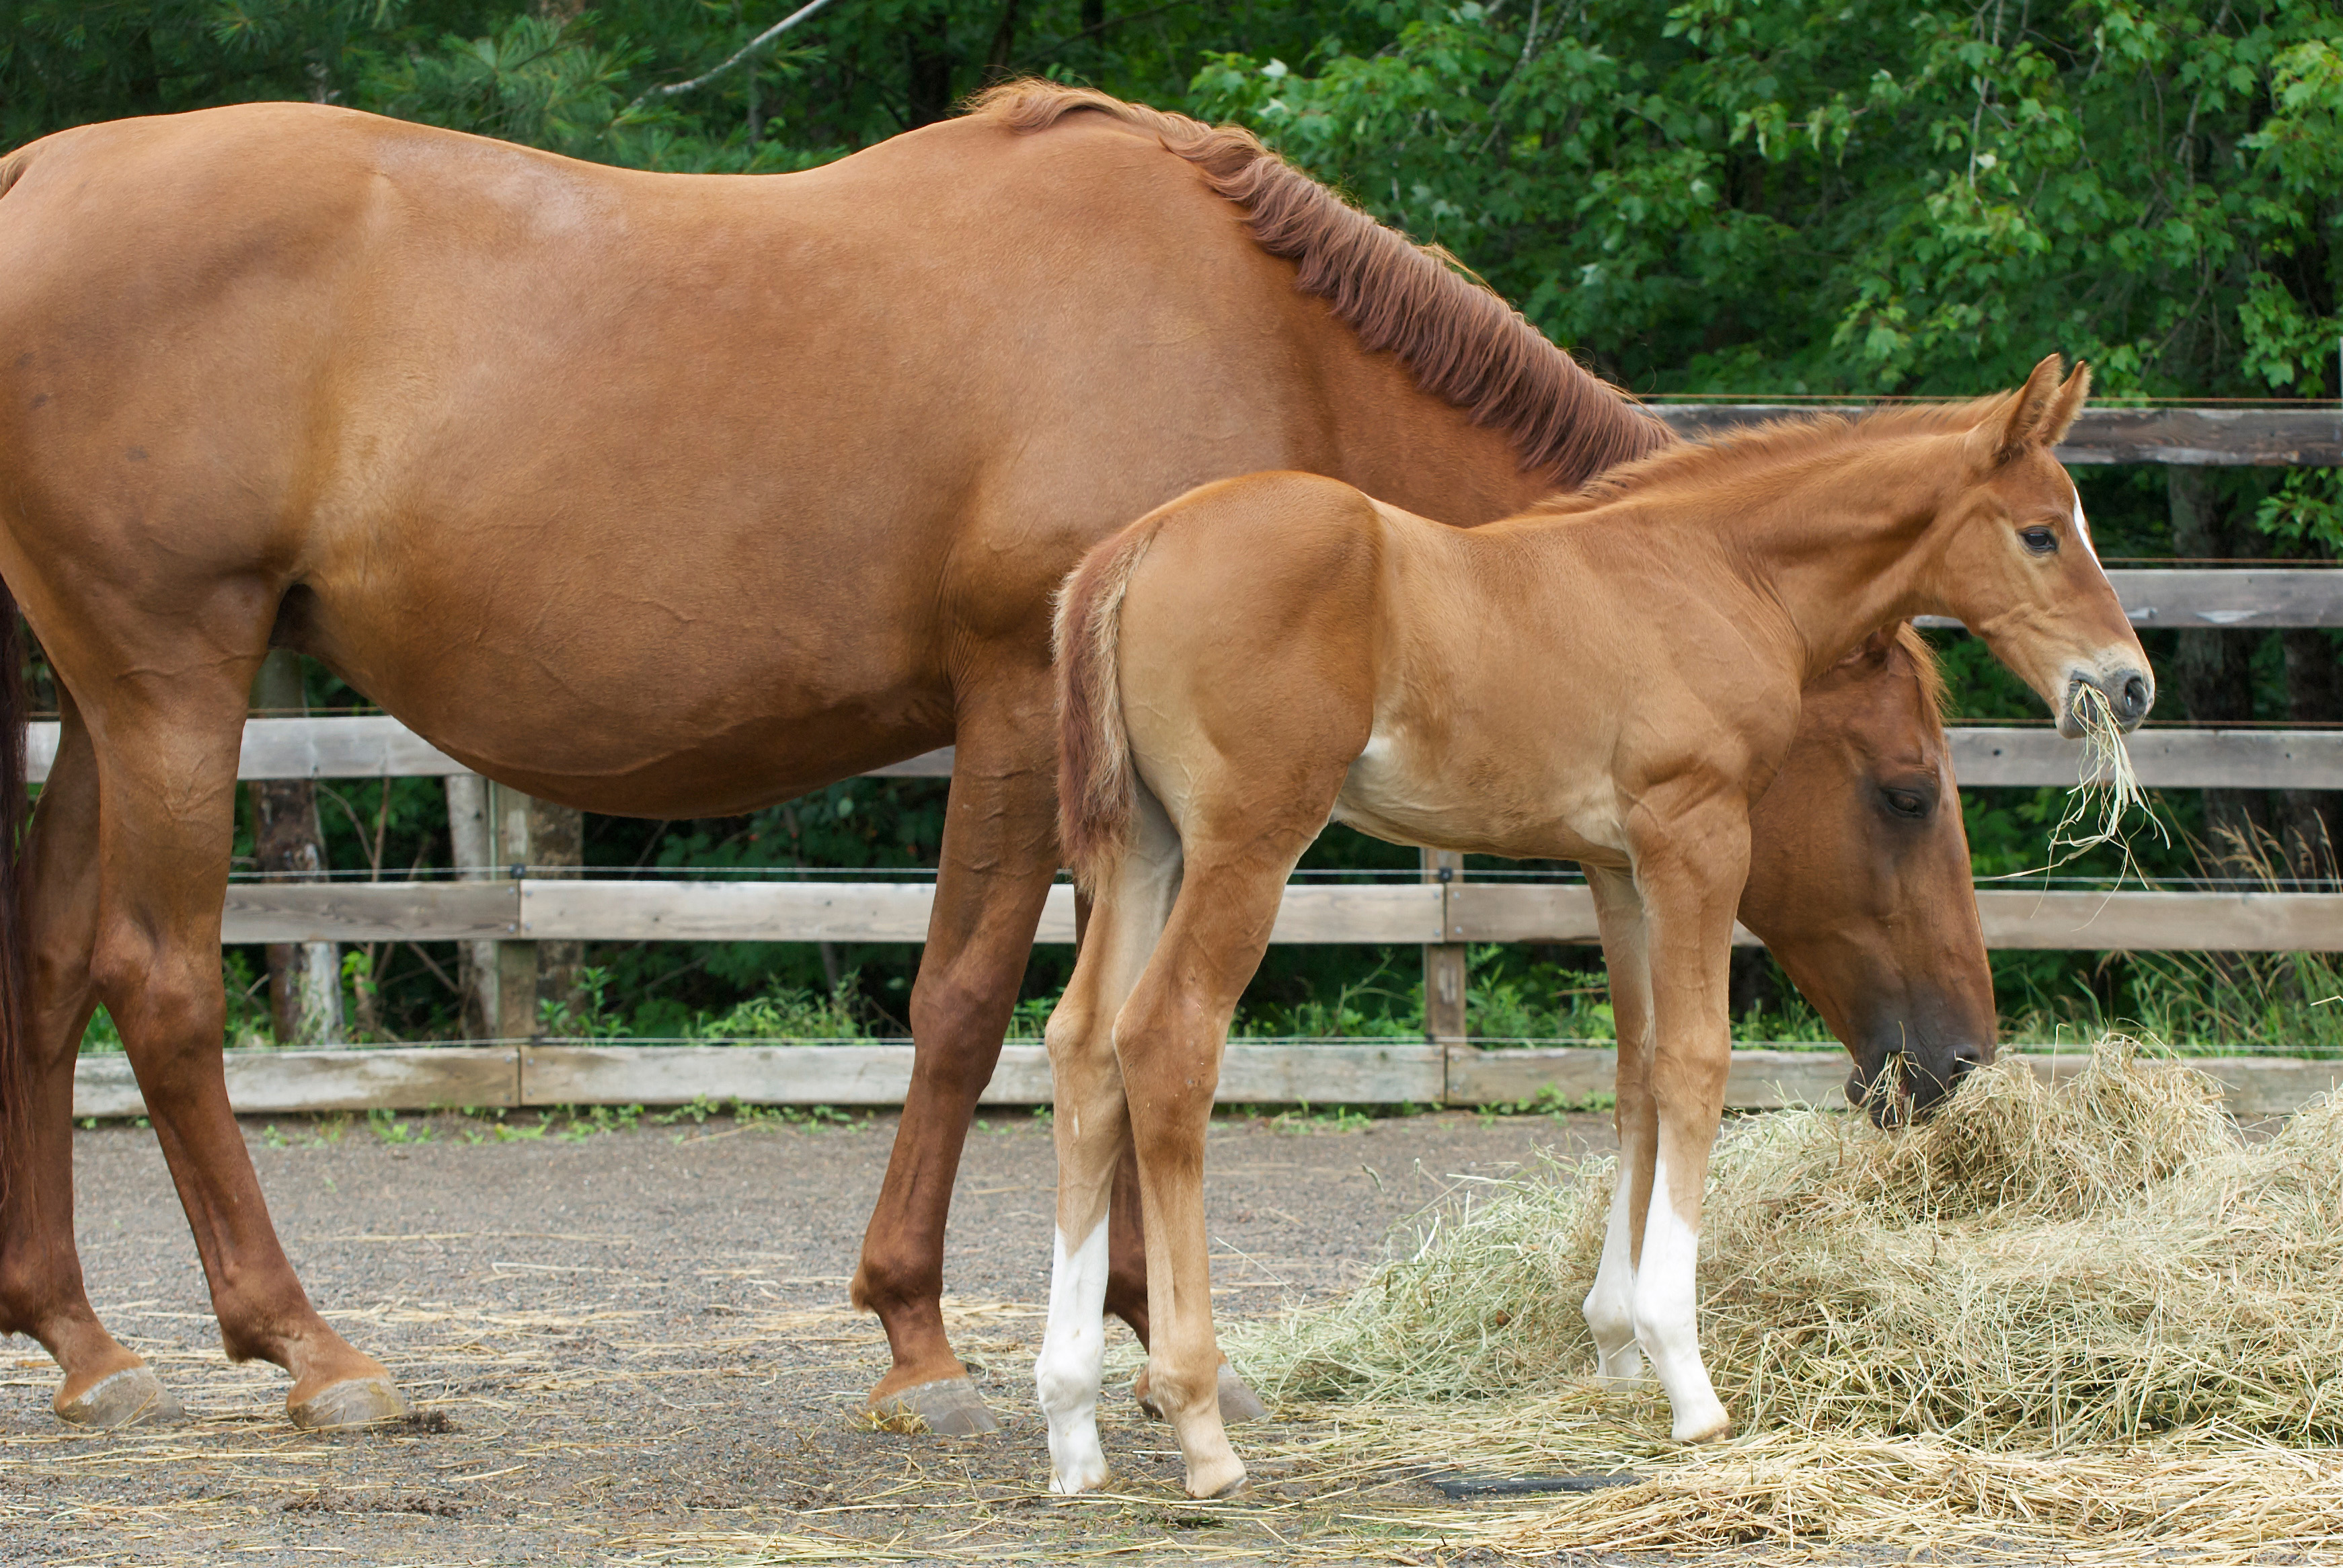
473, 846
1443, 963
305, 979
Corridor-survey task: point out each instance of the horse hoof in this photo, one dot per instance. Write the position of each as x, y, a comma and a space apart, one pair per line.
1234, 1487
1238, 1402
947, 1407
360, 1401
133, 1396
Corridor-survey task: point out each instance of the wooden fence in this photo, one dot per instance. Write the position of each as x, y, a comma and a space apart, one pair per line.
1441, 913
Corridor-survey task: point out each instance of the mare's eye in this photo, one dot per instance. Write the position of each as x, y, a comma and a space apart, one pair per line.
1907, 803
2041, 542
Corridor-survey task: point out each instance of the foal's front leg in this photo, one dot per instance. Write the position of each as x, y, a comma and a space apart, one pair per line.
1610, 1306
1689, 869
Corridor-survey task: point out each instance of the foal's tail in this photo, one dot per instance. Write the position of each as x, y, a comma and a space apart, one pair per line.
1095, 782
16, 1061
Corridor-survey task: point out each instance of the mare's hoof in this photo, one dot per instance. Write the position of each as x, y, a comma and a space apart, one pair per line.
360, 1401
947, 1407
1238, 1402
133, 1396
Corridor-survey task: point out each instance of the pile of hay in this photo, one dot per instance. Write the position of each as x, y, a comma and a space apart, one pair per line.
2093, 1312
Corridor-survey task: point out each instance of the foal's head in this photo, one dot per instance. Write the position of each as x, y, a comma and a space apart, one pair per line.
2018, 567
1859, 879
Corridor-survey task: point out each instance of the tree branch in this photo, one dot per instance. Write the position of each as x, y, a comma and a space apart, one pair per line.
750, 48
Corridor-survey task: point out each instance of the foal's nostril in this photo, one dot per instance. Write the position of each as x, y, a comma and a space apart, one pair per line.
2132, 699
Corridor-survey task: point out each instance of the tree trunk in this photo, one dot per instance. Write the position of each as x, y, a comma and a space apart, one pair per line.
2212, 673
2314, 695
473, 848
305, 979
557, 840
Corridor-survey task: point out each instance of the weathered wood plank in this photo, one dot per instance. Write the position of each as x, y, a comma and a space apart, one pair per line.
1402, 1072
369, 911
2164, 758
2223, 437
339, 746
898, 912
2254, 597
260, 1082
2162, 922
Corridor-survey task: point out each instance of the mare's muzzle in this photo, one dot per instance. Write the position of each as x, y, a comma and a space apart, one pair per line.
1905, 1083
2129, 694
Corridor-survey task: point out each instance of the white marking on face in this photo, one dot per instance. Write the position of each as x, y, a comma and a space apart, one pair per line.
1668, 1313
1072, 1359
1610, 1306
2083, 529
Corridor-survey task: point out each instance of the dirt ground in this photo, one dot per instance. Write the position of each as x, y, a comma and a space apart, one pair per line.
633, 1345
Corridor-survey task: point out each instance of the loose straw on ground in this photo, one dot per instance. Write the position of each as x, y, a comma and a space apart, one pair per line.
2092, 1314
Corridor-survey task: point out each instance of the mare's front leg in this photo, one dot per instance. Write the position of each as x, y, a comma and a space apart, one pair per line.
167, 759
1610, 1306
1690, 865
41, 1289
999, 852
1092, 1129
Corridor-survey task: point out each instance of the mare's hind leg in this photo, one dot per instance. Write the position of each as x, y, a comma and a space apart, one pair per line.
1092, 1129
1000, 853
1610, 1305
41, 1289
168, 813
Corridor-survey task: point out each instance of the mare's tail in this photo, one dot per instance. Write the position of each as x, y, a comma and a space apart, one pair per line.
1096, 786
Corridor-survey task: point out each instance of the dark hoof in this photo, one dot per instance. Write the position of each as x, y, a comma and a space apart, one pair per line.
1238, 1402
947, 1407
131, 1397
360, 1401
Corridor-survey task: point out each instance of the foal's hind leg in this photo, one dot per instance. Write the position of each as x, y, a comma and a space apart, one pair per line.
167, 812
1093, 1129
41, 1289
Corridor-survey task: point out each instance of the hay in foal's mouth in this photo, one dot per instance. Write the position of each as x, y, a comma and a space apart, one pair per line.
2091, 1316
2106, 794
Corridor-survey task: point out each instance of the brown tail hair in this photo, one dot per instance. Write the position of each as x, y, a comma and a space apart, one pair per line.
1096, 786
1460, 339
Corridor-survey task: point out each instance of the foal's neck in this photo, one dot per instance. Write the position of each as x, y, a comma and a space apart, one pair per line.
1839, 542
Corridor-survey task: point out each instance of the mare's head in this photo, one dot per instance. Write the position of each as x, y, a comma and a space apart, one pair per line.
1859, 879
2017, 564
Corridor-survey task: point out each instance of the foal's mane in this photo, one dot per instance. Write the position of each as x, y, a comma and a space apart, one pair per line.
1737, 453
1462, 342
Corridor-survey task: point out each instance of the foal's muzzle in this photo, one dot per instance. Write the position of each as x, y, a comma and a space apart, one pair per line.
2129, 694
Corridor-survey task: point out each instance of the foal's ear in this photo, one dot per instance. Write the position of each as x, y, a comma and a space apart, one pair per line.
2028, 415
2065, 405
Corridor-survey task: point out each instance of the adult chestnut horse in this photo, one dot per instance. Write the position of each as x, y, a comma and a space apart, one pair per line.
1614, 678
673, 495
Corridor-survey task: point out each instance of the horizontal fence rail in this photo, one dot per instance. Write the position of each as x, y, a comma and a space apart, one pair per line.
536, 910
2305, 436
379, 746
527, 1073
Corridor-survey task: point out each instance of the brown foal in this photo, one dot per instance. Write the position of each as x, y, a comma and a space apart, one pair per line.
1613, 678
674, 495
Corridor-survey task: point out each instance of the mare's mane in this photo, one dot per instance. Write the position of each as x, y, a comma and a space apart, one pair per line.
1737, 453
1461, 341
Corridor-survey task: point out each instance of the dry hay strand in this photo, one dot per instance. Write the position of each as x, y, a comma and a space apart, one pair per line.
2090, 1311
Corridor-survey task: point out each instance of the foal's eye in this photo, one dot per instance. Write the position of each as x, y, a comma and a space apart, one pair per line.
2041, 542
1908, 803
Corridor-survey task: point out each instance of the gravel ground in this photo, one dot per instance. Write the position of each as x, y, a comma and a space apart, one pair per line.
633, 1345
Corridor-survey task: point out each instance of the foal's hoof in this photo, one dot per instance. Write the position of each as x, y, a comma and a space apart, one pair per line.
133, 1396
360, 1401
947, 1407
1238, 1402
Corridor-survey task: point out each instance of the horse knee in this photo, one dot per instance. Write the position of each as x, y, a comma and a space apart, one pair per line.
154, 995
